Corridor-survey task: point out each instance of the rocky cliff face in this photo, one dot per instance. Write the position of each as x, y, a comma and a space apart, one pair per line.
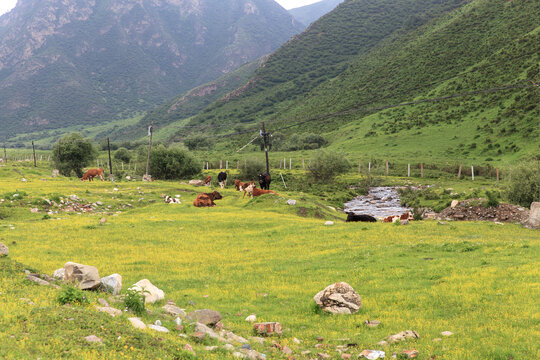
67, 62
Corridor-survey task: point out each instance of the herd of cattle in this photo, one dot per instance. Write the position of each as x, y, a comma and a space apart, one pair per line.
250, 188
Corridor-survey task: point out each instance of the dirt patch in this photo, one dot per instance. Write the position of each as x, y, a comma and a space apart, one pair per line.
302, 211
502, 213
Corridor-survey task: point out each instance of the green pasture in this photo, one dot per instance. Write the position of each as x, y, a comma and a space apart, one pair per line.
478, 280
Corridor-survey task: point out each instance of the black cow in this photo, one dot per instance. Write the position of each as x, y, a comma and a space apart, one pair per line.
352, 217
222, 179
264, 181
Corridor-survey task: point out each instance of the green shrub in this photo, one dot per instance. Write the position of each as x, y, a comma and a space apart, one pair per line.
72, 295
171, 164
493, 199
251, 168
122, 155
522, 183
134, 301
326, 165
73, 152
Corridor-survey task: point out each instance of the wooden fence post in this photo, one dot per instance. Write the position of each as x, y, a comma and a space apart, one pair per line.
421, 169
207, 165
227, 165
290, 163
303, 164
369, 168
220, 164
459, 172
386, 167
408, 170
472, 172
359, 166
497, 175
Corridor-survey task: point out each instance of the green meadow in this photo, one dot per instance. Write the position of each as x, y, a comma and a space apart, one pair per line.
478, 280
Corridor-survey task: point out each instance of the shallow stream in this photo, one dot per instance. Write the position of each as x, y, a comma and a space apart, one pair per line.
380, 202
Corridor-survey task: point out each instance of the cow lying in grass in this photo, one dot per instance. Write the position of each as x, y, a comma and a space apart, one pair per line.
253, 191
206, 199
90, 174
240, 186
395, 218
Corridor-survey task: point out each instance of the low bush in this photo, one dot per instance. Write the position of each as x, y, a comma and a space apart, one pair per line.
172, 164
326, 165
72, 295
135, 301
251, 168
522, 185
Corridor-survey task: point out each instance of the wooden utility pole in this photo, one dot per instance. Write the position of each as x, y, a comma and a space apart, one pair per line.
110, 162
34, 152
459, 172
150, 132
538, 86
265, 138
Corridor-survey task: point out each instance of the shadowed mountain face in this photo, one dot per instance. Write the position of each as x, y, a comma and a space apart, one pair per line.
310, 13
86, 61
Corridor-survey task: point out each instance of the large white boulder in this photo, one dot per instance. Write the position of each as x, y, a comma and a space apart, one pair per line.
339, 298
85, 277
151, 293
534, 216
112, 284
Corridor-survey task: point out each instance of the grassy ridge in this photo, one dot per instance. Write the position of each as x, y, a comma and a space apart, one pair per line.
474, 279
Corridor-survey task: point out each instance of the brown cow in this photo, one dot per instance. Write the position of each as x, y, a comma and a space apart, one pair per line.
206, 199
208, 180
253, 191
90, 174
241, 186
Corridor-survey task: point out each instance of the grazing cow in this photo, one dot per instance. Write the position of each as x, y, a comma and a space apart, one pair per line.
222, 179
265, 180
208, 180
352, 217
253, 191
206, 199
90, 174
242, 185
172, 200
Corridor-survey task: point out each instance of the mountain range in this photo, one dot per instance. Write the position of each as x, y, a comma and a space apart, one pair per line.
72, 62
310, 13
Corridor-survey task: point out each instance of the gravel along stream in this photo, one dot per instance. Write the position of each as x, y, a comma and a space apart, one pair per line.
380, 202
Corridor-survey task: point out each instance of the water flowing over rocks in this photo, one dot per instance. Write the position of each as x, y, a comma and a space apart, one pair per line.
380, 202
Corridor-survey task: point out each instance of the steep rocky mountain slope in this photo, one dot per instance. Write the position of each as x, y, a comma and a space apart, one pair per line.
74, 62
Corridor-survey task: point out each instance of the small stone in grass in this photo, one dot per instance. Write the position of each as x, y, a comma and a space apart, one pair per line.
447, 333
93, 339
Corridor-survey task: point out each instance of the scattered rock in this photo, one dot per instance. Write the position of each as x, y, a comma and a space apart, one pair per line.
291, 202
447, 333
188, 347
372, 354
196, 182
251, 318
151, 293
28, 301
339, 298
109, 310
404, 335
37, 280
172, 309
158, 328
112, 284
206, 317
4, 250
59, 274
372, 323
346, 356
178, 321
232, 337
409, 354
102, 221
533, 221
211, 333
199, 335
256, 339
437, 339
454, 203
93, 339
85, 277
323, 356
296, 341
287, 350
382, 343
238, 355
228, 347
103, 302
157, 322
268, 328
137, 323
329, 223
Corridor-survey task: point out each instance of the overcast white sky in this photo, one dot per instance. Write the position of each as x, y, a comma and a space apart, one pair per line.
6, 5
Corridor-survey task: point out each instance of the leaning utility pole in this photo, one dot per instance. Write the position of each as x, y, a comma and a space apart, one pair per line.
150, 132
265, 137
34, 152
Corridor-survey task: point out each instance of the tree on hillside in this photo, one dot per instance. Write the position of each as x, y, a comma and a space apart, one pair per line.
72, 153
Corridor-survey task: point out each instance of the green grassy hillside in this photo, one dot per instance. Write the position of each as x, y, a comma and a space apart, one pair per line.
355, 75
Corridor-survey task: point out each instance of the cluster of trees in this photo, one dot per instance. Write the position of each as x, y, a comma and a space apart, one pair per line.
305, 141
72, 153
